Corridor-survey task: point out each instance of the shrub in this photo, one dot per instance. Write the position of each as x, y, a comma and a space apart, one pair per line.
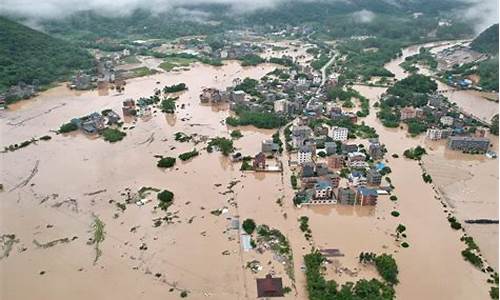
393, 198
113, 135
293, 179
184, 294
454, 223
46, 138
188, 155
395, 213
249, 226
236, 134
166, 199
67, 127
166, 162
405, 245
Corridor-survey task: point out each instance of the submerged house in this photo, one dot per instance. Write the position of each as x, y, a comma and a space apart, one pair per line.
92, 123
269, 287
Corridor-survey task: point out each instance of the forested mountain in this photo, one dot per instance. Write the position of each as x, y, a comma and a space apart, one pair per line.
333, 19
28, 55
487, 41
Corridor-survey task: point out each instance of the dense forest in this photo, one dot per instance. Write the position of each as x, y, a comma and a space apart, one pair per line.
27, 55
487, 41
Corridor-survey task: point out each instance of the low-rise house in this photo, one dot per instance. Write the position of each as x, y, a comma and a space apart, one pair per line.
366, 196
468, 144
321, 130
323, 190
259, 162
446, 120
269, 287
330, 148
238, 96
305, 154
335, 161
346, 196
333, 178
321, 169
269, 146
348, 148
408, 112
339, 133
373, 177
308, 169
92, 123
128, 107
481, 132
210, 95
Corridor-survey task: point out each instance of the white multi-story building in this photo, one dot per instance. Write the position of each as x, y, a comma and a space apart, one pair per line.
339, 133
304, 155
438, 134
280, 106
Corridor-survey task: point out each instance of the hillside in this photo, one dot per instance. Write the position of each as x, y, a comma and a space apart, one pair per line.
487, 41
28, 55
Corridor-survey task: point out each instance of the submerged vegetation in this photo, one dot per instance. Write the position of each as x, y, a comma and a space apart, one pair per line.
98, 237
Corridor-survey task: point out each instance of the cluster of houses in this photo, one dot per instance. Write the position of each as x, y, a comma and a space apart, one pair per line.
96, 122
19, 91
214, 96
320, 175
450, 125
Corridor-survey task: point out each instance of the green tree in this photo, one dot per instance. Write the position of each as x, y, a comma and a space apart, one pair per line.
249, 226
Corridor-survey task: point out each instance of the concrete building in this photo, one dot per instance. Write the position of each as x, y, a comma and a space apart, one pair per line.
346, 196
348, 148
366, 196
446, 120
373, 177
375, 150
308, 169
357, 178
468, 144
339, 133
259, 162
268, 146
323, 190
321, 169
305, 154
335, 161
354, 158
238, 96
330, 148
281, 106
438, 133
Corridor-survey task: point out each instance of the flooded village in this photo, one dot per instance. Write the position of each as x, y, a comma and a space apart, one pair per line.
212, 179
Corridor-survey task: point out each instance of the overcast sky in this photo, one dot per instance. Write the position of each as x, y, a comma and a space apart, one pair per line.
482, 12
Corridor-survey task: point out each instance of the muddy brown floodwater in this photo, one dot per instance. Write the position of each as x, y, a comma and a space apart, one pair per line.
469, 186
53, 190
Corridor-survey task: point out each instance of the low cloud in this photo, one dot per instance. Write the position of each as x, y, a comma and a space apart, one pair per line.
482, 13
47, 9
363, 16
